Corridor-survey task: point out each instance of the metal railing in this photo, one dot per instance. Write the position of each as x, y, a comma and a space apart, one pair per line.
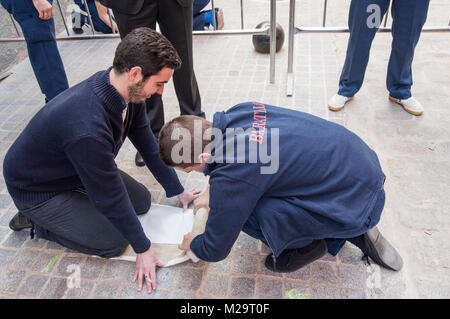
295, 30
271, 31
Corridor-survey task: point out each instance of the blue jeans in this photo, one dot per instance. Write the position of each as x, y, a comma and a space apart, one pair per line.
41, 44
408, 19
71, 220
198, 22
99, 25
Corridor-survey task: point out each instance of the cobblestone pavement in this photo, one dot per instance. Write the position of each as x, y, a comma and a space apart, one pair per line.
414, 152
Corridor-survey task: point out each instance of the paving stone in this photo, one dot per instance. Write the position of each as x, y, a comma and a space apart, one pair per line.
55, 289
246, 243
216, 284
301, 274
324, 292
6, 255
166, 277
5, 201
92, 268
11, 279
159, 293
67, 266
353, 294
4, 231
189, 279
45, 263
25, 258
33, 285
6, 217
105, 290
117, 269
16, 239
350, 254
224, 265
80, 292
268, 288
183, 295
296, 290
55, 246
242, 287
131, 292
323, 273
245, 263
352, 277
35, 243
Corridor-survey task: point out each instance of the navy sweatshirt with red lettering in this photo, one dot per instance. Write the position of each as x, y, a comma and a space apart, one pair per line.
299, 176
72, 142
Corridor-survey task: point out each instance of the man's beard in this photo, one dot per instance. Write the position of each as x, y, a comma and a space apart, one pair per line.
136, 94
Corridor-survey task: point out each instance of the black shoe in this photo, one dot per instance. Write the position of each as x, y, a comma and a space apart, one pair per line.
77, 29
138, 160
19, 222
294, 259
374, 245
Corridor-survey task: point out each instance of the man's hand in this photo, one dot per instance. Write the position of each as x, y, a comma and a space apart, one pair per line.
202, 201
188, 196
187, 239
44, 8
145, 270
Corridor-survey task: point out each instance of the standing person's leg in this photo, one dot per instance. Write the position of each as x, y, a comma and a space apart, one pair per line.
409, 16
42, 48
71, 220
359, 43
175, 22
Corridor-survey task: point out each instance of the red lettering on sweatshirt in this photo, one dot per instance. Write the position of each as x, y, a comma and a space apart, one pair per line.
259, 123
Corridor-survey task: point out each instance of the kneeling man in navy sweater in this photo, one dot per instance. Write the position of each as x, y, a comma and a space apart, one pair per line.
61, 170
300, 184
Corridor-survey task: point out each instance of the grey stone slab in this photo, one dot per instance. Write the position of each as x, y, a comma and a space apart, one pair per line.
324, 292
296, 290
242, 287
45, 263
117, 269
166, 277
159, 293
35, 243
323, 273
303, 274
245, 263
6, 255
80, 292
55, 289
246, 243
131, 292
183, 295
7, 216
33, 285
92, 268
352, 277
68, 266
25, 258
11, 279
222, 266
54, 246
105, 290
16, 239
189, 279
269, 288
353, 294
216, 284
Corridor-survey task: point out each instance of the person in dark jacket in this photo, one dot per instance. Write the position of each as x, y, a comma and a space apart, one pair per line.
61, 171
300, 184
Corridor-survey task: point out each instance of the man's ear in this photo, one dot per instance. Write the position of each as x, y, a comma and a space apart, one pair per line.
135, 74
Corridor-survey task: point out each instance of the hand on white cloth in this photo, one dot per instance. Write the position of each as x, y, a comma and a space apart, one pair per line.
44, 8
146, 270
188, 196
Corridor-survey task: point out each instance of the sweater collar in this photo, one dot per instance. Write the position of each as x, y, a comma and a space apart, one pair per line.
107, 93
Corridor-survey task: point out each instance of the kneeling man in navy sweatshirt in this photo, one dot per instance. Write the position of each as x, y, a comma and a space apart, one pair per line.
300, 184
61, 170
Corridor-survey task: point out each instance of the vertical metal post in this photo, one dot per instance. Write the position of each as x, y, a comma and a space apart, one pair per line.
290, 75
273, 39
324, 12
111, 21
213, 11
62, 16
242, 14
89, 17
15, 26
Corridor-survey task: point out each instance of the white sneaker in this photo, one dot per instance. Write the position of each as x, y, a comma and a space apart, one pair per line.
410, 105
337, 102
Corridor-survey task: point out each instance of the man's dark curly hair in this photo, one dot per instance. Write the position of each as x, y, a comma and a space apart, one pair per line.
147, 49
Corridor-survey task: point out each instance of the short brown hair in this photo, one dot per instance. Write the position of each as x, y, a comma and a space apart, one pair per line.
187, 123
147, 49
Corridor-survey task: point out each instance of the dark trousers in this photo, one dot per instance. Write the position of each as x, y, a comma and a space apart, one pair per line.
71, 220
41, 44
175, 22
408, 18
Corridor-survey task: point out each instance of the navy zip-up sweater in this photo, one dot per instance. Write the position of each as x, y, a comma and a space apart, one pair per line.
328, 183
71, 144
